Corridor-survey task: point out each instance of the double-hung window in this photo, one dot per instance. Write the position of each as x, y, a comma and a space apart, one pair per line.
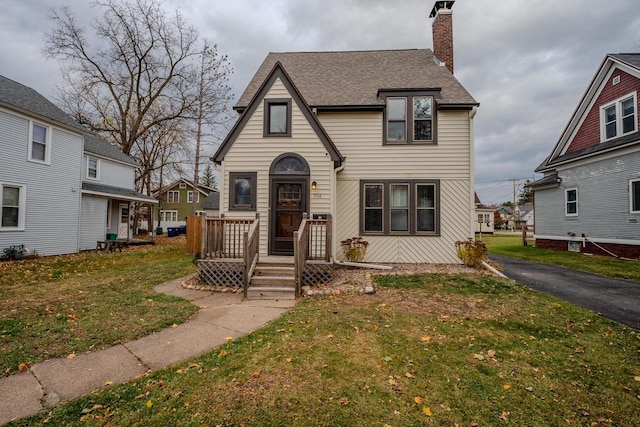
173, 196
401, 207
13, 201
39, 145
168, 216
571, 202
634, 196
242, 191
619, 118
277, 117
409, 117
92, 168
190, 197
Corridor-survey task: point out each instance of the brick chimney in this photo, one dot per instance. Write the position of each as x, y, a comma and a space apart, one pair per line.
442, 28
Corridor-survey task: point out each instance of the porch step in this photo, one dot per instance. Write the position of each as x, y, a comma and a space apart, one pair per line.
274, 270
283, 292
274, 281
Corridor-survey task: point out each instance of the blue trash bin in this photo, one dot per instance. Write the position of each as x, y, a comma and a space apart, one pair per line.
172, 232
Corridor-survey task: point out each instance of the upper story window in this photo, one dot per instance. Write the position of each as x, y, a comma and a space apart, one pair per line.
571, 202
619, 118
173, 196
190, 197
13, 204
93, 165
409, 117
40, 143
277, 117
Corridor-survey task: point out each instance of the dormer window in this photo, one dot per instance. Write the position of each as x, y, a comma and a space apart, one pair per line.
409, 117
619, 118
277, 117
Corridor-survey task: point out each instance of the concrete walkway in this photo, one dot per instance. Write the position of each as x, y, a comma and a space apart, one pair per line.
53, 381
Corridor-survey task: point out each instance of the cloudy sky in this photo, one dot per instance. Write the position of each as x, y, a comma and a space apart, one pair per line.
527, 62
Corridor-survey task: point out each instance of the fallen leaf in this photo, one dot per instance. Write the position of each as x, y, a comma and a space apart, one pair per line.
185, 404
222, 354
478, 356
375, 328
504, 416
425, 339
288, 359
203, 306
149, 403
491, 354
386, 359
180, 371
418, 399
174, 326
409, 375
71, 356
24, 367
529, 389
228, 339
637, 378
256, 374
343, 401
96, 407
426, 411
506, 386
108, 383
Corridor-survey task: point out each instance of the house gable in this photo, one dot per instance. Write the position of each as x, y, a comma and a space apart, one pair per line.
278, 74
617, 77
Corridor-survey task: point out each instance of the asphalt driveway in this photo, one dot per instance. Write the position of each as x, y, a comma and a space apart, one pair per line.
615, 299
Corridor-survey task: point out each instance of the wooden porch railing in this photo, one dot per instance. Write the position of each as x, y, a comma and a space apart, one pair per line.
224, 237
251, 252
312, 240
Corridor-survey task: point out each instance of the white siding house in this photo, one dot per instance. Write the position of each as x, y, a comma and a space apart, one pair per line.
43, 175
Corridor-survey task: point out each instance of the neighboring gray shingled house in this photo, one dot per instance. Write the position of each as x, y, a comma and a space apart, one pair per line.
61, 188
589, 197
381, 140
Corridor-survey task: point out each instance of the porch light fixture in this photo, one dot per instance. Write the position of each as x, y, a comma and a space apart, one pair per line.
314, 186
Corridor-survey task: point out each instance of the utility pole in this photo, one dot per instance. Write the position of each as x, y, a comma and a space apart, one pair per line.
514, 204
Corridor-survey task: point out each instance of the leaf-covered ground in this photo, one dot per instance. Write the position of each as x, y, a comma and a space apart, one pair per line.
424, 350
61, 305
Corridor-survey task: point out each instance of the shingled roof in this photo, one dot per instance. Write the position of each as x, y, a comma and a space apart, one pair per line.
354, 78
26, 100
96, 145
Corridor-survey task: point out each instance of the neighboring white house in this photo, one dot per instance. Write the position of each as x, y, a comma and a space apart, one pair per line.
484, 217
61, 189
589, 197
381, 140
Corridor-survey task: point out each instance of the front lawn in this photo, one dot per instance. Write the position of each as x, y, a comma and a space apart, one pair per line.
57, 306
424, 350
511, 245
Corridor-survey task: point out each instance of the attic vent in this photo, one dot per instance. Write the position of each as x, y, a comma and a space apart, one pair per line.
183, 185
616, 80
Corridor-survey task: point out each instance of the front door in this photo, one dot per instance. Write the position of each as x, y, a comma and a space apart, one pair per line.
288, 203
123, 221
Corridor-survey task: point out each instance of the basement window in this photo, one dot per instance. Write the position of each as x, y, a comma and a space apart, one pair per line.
573, 246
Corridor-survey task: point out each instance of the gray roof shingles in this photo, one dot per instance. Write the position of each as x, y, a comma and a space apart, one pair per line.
354, 78
21, 97
116, 191
96, 145
212, 201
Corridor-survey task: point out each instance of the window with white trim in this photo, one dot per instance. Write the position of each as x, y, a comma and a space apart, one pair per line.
190, 197
173, 196
634, 196
168, 216
39, 143
571, 202
619, 117
403, 207
93, 168
13, 205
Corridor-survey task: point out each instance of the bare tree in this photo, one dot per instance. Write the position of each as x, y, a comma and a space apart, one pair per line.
137, 77
213, 94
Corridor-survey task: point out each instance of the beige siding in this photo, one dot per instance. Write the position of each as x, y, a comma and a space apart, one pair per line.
359, 139
251, 152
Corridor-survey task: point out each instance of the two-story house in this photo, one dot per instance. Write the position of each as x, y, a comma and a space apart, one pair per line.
61, 188
176, 200
380, 140
589, 197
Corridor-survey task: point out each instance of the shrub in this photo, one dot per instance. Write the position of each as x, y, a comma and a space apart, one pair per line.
354, 248
471, 252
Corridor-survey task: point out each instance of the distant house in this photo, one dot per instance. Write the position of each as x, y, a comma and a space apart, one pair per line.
506, 215
380, 140
176, 200
61, 188
524, 214
484, 217
211, 205
589, 197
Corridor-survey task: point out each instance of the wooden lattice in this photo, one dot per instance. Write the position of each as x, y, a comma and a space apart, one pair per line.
317, 273
221, 272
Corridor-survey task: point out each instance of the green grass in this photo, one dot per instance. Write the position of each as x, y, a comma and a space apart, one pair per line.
511, 245
424, 350
54, 306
